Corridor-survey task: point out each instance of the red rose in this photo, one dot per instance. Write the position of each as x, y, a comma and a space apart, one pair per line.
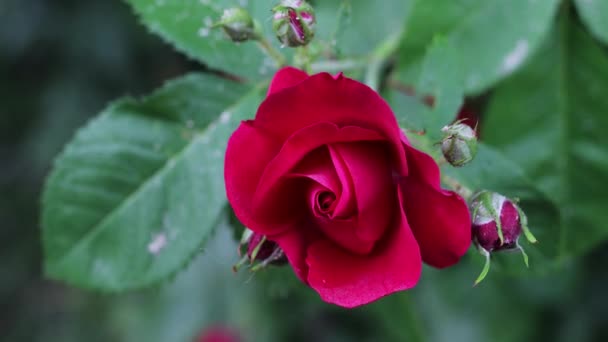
325, 172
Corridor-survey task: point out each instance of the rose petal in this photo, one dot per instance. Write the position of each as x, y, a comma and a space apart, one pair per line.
243, 169
440, 219
351, 280
293, 151
346, 206
294, 241
323, 98
317, 166
285, 78
369, 169
321, 200
343, 233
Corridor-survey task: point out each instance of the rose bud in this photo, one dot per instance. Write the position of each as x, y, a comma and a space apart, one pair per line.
497, 224
238, 25
293, 22
219, 334
259, 248
268, 252
459, 144
339, 188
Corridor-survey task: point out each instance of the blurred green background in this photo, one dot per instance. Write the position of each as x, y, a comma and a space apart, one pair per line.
61, 61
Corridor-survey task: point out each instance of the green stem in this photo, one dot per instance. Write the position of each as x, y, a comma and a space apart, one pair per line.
303, 59
273, 53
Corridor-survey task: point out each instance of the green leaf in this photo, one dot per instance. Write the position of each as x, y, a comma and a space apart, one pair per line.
492, 170
440, 80
139, 189
595, 15
551, 119
374, 22
186, 24
493, 37
410, 111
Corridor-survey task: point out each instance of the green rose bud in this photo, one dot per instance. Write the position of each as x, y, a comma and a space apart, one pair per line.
238, 25
459, 144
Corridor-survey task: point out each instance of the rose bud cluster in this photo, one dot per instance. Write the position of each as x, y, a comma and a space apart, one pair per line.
259, 248
459, 144
497, 225
294, 22
238, 25
338, 187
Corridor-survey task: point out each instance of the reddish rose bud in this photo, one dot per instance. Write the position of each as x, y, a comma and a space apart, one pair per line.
294, 22
219, 334
259, 248
485, 226
497, 225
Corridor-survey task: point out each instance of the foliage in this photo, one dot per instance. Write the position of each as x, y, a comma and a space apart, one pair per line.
138, 192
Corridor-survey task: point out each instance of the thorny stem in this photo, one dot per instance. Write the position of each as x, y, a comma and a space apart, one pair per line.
273, 53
